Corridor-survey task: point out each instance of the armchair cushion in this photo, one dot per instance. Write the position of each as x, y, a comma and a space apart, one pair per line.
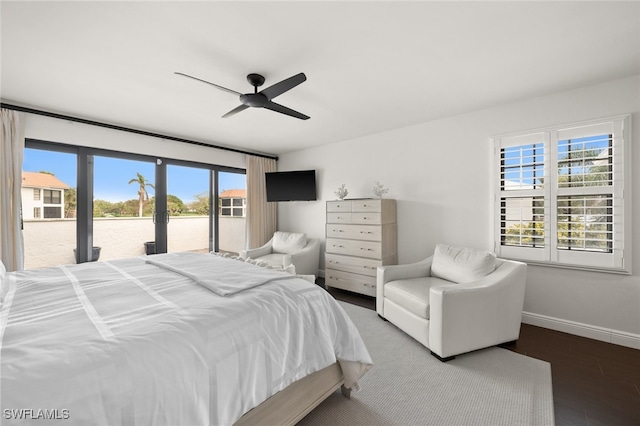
412, 294
305, 258
461, 264
288, 242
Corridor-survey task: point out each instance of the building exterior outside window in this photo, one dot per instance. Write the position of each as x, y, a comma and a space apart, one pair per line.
233, 203
42, 196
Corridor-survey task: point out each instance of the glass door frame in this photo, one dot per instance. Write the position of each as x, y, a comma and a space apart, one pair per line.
85, 184
214, 214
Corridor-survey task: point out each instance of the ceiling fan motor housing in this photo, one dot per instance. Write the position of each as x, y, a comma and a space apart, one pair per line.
256, 100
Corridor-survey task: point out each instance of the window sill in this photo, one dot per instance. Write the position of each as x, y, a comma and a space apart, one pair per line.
618, 271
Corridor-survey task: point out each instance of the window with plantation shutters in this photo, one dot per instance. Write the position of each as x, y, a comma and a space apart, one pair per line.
559, 195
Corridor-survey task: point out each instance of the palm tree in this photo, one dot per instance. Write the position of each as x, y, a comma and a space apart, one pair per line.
70, 202
142, 192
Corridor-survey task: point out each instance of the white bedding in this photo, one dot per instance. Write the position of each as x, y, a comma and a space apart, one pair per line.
127, 342
216, 275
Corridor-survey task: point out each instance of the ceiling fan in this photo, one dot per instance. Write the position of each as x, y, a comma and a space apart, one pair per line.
263, 98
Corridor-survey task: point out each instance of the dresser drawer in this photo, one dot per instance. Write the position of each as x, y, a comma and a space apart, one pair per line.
369, 249
338, 206
355, 232
360, 218
355, 265
339, 217
367, 205
353, 282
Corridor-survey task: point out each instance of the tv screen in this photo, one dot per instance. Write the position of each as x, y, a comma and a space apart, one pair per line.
297, 185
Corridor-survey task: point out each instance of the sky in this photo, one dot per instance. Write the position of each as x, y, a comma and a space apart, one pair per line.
112, 176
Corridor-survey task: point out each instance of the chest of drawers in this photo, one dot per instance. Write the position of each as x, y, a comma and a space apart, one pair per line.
361, 235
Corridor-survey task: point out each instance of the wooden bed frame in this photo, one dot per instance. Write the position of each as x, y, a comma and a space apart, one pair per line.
291, 404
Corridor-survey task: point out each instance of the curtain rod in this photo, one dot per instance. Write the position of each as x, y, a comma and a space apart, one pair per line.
127, 129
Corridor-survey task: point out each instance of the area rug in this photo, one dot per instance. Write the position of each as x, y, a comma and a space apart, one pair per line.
408, 386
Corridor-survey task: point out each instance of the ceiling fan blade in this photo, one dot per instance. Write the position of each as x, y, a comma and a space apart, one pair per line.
286, 84
284, 110
214, 85
235, 111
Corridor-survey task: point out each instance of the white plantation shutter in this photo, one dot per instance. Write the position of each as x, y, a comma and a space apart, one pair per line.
559, 195
522, 208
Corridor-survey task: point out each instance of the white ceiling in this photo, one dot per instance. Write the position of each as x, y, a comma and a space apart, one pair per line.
370, 66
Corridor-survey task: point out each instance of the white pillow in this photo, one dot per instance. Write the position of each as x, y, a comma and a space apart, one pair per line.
461, 265
288, 242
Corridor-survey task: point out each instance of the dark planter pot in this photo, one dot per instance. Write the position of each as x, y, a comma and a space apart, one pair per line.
150, 247
95, 254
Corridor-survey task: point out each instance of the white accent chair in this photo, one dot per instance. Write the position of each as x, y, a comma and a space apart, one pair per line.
288, 248
456, 301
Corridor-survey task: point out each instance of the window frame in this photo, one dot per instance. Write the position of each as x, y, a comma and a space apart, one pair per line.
84, 213
48, 210
52, 197
551, 254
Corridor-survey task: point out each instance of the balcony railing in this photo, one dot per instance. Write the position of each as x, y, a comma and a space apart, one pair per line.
52, 242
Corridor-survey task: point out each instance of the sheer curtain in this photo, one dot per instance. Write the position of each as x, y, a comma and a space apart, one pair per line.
261, 216
11, 155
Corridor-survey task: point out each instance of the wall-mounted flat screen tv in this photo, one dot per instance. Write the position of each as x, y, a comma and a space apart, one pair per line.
299, 185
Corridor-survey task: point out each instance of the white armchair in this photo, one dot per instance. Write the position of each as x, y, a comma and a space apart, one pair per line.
288, 248
456, 301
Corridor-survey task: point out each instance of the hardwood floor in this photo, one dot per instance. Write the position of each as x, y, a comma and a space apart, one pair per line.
594, 383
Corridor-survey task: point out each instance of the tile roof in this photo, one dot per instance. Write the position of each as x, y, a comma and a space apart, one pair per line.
234, 193
42, 180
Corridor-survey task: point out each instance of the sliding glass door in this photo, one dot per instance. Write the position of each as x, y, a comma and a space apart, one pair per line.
232, 211
49, 182
86, 204
189, 206
123, 207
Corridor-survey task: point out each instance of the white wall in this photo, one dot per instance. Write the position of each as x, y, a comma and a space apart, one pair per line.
73, 133
440, 174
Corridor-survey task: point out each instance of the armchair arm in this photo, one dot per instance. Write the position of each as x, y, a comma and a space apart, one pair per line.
306, 260
257, 252
479, 314
389, 273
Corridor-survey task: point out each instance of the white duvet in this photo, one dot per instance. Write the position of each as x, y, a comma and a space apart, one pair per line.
131, 343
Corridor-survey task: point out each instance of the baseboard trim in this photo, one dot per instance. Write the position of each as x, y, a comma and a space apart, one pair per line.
608, 335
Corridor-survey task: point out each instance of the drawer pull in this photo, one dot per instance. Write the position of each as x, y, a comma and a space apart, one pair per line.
367, 249
366, 232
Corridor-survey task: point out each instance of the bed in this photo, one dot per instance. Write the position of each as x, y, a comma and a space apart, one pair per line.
170, 339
